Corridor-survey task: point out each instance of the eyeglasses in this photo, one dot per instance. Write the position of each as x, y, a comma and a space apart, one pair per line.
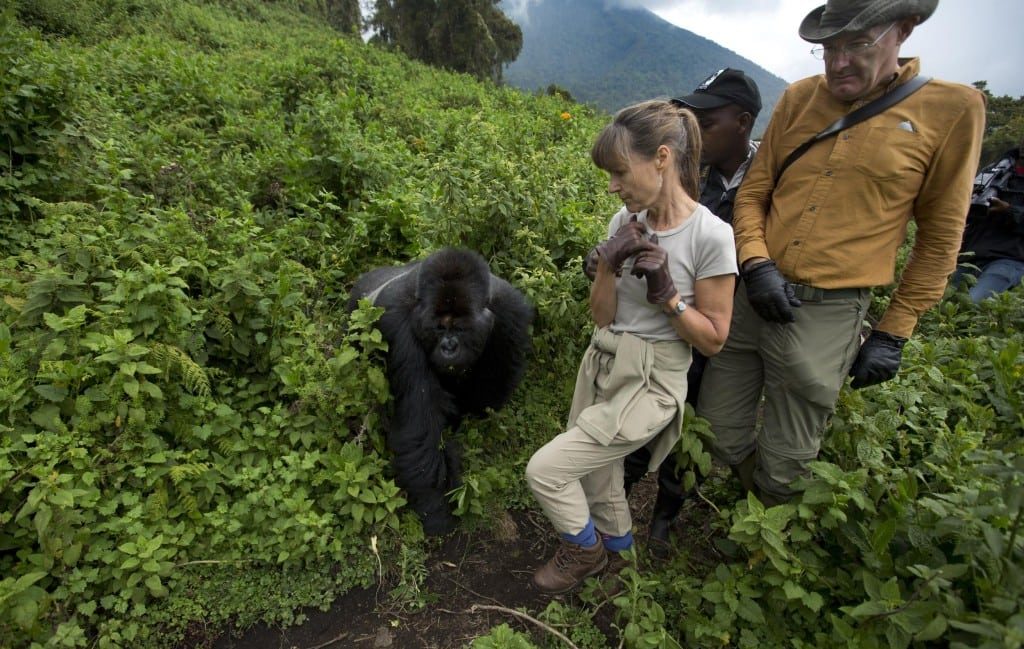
851, 50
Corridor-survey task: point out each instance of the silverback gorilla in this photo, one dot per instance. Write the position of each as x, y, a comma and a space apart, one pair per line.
457, 343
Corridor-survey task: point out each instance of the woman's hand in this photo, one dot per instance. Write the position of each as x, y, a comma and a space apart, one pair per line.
652, 263
625, 243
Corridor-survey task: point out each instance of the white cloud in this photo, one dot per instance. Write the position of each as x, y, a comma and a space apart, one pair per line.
518, 10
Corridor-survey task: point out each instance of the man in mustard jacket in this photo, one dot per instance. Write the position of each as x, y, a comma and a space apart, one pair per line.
812, 241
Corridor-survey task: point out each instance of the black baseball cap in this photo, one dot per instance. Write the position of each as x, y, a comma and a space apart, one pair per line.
727, 86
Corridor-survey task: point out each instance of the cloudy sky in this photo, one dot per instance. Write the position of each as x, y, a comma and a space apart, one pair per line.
964, 40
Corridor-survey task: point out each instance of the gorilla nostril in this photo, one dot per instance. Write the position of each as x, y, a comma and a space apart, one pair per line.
448, 346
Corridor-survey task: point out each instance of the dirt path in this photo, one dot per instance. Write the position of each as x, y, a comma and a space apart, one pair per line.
489, 567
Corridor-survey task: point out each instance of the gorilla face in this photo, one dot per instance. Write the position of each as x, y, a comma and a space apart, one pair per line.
451, 318
457, 340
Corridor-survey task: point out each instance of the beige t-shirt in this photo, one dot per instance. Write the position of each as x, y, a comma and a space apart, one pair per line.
701, 247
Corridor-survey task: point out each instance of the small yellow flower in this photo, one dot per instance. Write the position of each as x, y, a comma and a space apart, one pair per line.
566, 115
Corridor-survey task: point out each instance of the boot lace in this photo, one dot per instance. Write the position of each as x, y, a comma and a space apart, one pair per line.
565, 555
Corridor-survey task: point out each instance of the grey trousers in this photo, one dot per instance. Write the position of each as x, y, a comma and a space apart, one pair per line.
799, 368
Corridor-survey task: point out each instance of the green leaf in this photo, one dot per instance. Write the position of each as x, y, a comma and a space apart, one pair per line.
51, 392
47, 416
882, 535
793, 590
813, 601
131, 388
155, 586
25, 613
750, 611
867, 609
42, 520
933, 631
71, 554
62, 498
20, 584
151, 389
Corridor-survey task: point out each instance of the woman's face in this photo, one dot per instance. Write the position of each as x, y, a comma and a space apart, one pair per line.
638, 185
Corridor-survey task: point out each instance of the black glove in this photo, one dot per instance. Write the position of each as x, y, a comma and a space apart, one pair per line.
769, 293
878, 359
652, 264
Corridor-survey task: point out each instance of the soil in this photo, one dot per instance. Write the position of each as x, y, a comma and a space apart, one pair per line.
490, 567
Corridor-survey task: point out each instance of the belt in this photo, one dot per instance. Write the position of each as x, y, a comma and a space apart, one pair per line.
806, 293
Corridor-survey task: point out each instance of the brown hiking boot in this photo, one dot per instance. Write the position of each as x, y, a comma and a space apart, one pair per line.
569, 567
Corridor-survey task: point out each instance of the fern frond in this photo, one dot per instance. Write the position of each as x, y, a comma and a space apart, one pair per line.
193, 376
180, 472
156, 504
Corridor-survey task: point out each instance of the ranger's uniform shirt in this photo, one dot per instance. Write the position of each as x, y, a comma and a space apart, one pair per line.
838, 215
718, 193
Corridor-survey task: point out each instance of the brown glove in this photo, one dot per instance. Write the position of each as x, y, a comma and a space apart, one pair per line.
625, 243
652, 263
590, 264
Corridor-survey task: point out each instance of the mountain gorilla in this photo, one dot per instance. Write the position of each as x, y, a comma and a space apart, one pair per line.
457, 344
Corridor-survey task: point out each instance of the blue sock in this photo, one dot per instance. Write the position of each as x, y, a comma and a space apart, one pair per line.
618, 543
587, 537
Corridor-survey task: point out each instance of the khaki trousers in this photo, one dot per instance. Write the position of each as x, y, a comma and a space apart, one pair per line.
578, 475
799, 368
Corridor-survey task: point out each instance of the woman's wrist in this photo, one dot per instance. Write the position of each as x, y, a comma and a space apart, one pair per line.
675, 306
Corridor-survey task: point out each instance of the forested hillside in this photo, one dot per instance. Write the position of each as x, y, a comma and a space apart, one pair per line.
188, 190
191, 427
611, 57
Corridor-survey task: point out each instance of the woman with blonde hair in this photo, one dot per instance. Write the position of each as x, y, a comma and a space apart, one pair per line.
664, 282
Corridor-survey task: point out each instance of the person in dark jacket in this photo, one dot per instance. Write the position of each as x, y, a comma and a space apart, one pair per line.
993, 245
726, 104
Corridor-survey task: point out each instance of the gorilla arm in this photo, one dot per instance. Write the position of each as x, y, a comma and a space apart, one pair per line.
501, 365
421, 411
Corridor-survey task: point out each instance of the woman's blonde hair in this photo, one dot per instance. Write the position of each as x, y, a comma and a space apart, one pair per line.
641, 128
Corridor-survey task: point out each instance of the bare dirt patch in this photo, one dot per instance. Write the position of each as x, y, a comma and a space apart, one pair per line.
487, 567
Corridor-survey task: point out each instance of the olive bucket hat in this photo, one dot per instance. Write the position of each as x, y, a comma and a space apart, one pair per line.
837, 17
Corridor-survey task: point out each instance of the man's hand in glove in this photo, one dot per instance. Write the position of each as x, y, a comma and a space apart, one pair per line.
622, 245
652, 263
769, 292
878, 359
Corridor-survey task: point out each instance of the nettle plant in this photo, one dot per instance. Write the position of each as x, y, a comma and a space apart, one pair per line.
141, 436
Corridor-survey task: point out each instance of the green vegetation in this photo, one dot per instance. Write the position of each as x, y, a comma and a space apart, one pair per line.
1004, 125
188, 188
471, 36
190, 428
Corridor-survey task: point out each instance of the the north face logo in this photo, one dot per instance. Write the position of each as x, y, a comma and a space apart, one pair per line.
710, 80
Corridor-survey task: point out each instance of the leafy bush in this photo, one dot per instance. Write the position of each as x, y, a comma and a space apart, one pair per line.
187, 418
191, 188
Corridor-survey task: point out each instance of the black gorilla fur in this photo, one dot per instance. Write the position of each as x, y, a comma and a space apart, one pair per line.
457, 344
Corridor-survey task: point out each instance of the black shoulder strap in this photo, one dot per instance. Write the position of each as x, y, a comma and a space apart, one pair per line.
866, 111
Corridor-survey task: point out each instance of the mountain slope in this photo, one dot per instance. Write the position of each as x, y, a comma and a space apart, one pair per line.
612, 57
